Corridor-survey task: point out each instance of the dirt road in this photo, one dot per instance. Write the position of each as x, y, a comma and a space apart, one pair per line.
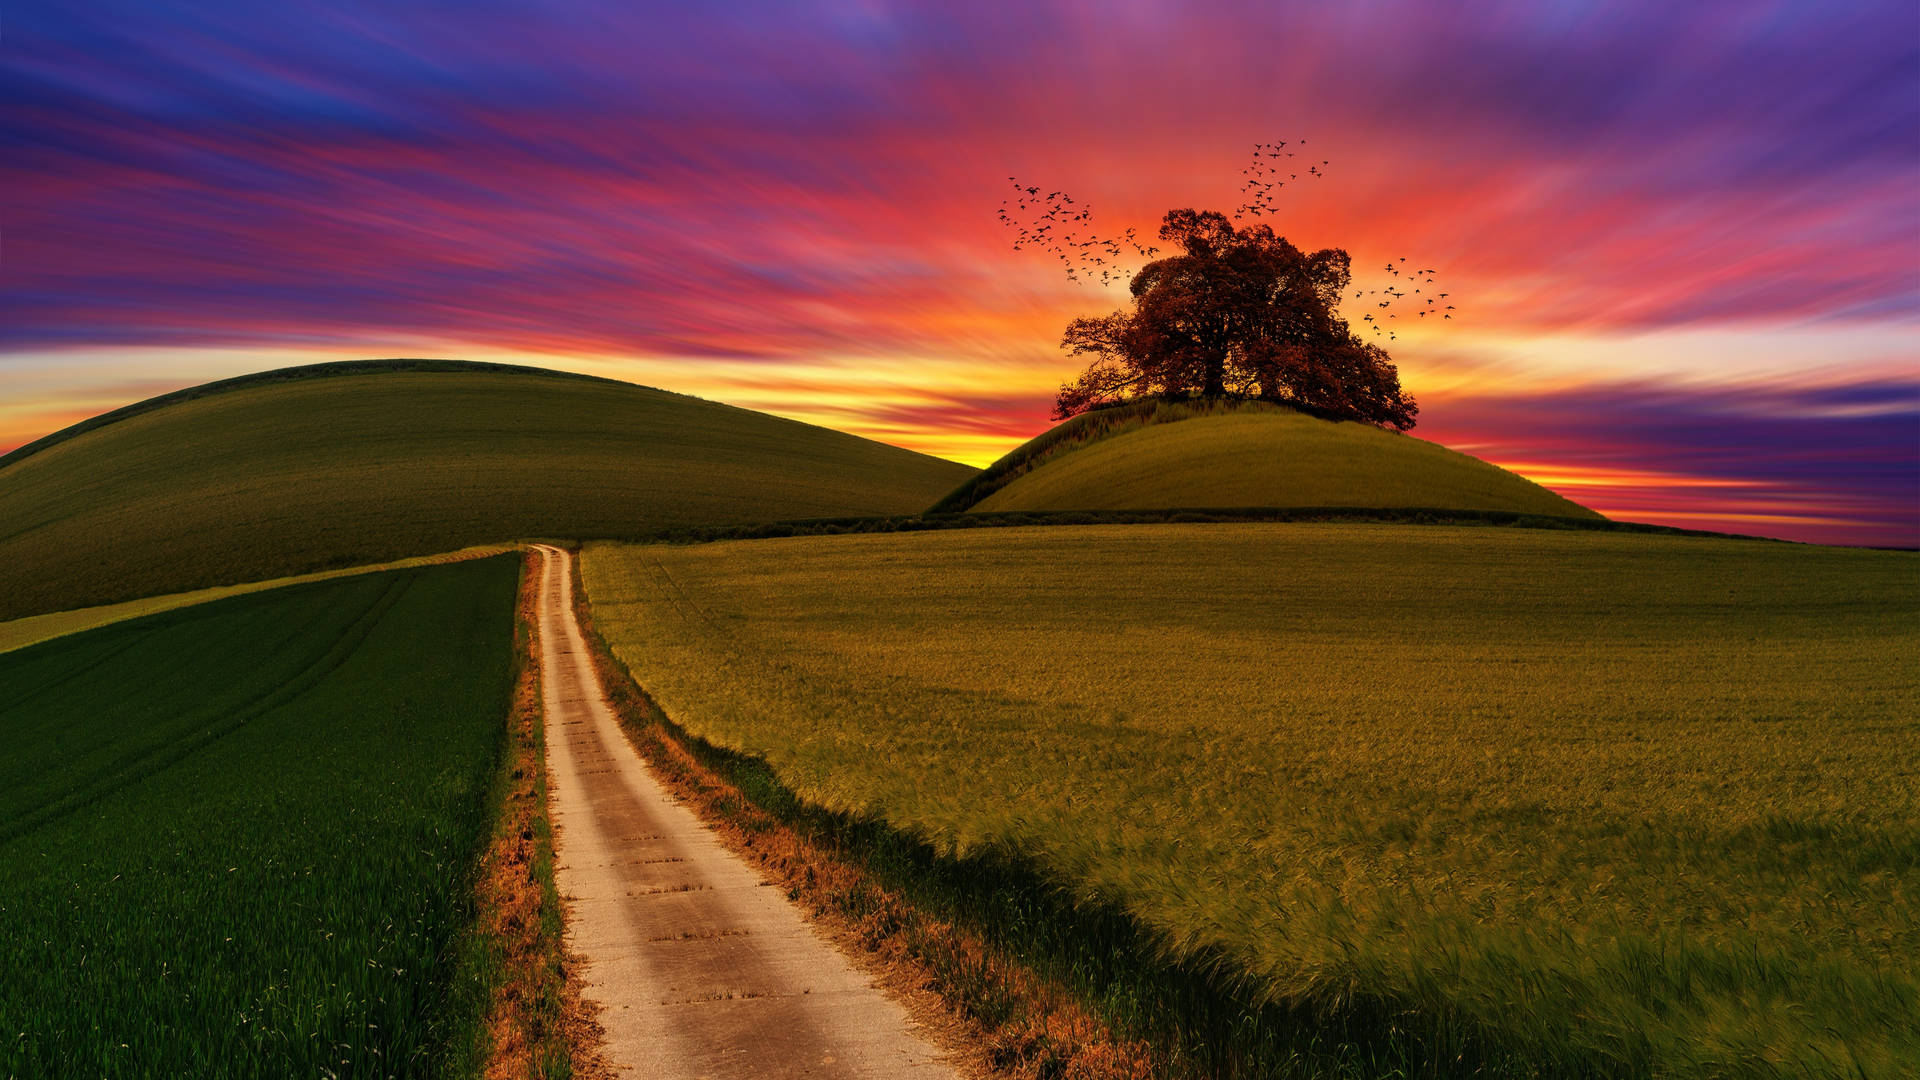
700, 969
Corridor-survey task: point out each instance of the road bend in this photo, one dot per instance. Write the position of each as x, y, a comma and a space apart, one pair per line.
699, 967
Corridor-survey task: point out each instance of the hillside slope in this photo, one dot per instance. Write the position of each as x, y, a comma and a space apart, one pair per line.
1250, 455
305, 470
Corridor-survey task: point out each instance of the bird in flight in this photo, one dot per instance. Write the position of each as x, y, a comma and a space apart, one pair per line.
1262, 173
1053, 222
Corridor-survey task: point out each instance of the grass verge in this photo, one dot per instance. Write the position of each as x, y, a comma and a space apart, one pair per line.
537, 1025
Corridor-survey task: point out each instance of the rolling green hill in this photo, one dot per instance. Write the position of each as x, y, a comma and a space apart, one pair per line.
1249, 454
312, 468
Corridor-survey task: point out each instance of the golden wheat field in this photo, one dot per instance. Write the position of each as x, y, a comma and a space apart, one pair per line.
1619, 804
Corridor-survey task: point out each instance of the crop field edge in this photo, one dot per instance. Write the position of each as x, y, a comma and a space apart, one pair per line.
1163, 1015
1201, 515
30, 630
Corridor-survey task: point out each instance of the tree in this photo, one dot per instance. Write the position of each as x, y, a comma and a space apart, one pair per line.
1236, 313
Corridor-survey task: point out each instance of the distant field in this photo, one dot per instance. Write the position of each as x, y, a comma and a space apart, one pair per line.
1251, 454
1578, 803
236, 837
273, 478
19, 633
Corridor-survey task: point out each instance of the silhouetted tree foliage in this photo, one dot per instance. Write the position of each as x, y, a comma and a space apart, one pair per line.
1237, 312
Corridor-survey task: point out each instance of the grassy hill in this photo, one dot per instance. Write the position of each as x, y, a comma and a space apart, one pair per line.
312, 468
1160, 456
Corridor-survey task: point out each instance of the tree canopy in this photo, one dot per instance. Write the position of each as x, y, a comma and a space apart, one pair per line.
1236, 312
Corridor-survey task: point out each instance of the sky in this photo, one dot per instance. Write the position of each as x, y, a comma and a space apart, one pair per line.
1683, 239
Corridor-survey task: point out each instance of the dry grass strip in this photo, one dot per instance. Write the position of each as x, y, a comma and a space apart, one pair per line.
538, 1023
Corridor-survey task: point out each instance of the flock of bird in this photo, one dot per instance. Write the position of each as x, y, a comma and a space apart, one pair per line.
1054, 223
1057, 225
1263, 177
1420, 282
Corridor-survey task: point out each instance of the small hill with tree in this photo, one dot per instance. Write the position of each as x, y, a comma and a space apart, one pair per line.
1238, 334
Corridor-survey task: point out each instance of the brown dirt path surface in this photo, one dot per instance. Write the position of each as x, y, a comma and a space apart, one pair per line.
699, 967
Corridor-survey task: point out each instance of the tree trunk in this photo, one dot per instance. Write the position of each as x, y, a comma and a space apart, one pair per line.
1216, 378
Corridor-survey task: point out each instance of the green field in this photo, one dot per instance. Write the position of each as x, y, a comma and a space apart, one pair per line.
33, 629
1153, 457
1536, 803
284, 474
237, 836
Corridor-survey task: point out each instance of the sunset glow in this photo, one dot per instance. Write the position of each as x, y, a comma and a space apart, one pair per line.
1685, 240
